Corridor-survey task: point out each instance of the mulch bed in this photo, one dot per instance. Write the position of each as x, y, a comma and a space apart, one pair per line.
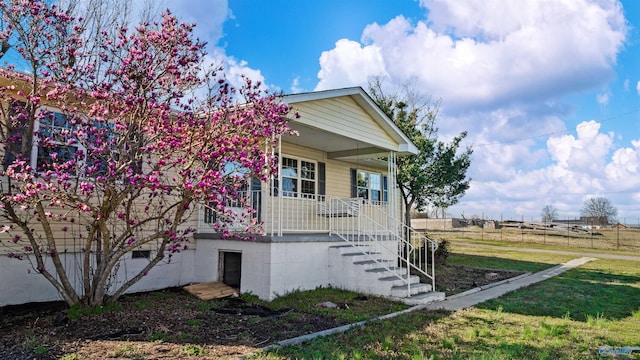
173, 324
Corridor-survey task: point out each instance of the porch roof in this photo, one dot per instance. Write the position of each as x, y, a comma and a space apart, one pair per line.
347, 124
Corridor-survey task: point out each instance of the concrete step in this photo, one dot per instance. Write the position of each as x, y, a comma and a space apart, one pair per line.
423, 298
369, 271
362, 255
372, 264
400, 291
394, 281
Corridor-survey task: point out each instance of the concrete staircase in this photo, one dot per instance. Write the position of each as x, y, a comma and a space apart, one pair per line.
362, 269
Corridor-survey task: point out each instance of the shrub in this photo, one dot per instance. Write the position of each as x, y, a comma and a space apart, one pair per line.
442, 252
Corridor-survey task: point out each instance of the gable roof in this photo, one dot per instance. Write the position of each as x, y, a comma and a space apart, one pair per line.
366, 103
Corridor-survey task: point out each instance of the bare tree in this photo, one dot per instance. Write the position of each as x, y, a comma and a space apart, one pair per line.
600, 208
549, 213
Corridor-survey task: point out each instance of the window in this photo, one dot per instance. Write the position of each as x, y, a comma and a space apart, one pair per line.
58, 138
57, 129
248, 190
298, 178
141, 254
16, 128
369, 185
97, 159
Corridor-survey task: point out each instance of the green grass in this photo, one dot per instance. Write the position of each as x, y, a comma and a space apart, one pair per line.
159, 336
602, 289
495, 262
192, 350
609, 241
353, 307
569, 316
78, 311
489, 256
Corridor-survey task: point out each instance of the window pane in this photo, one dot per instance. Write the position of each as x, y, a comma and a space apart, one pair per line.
375, 195
63, 154
308, 187
308, 170
363, 179
363, 193
375, 181
52, 124
234, 169
289, 187
289, 167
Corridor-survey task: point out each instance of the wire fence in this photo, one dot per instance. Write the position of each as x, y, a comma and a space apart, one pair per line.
570, 232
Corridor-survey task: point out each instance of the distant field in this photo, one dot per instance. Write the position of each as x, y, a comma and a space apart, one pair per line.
625, 240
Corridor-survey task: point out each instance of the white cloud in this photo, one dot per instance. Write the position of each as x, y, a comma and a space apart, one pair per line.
638, 87
623, 170
233, 68
349, 64
471, 54
500, 68
585, 153
209, 15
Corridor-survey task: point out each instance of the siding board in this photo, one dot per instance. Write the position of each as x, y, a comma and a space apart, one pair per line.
344, 116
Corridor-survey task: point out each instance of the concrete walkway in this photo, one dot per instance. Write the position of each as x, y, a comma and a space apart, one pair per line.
455, 302
492, 291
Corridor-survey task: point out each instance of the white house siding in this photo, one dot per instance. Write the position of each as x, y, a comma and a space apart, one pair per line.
20, 283
345, 117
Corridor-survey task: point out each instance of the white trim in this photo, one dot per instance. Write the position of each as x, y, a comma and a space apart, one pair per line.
299, 178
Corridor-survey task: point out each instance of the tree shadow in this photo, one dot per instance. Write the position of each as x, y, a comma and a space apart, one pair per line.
492, 262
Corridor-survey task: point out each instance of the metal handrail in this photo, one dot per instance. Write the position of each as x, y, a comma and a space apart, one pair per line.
406, 239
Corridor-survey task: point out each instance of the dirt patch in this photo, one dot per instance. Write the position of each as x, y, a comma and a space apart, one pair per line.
173, 324
454, 279
152, 326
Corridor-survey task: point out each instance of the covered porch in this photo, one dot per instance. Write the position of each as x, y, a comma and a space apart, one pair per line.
332, 206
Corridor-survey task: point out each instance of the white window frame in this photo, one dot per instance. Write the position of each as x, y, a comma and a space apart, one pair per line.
35, 147
368, 190
299, 179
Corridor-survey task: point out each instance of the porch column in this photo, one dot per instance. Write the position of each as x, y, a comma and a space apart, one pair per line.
392, 172
280, 185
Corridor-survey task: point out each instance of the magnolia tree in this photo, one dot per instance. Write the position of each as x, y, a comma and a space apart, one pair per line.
108, 151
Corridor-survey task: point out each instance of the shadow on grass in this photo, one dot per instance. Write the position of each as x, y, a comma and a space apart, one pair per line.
579, 294
490, 262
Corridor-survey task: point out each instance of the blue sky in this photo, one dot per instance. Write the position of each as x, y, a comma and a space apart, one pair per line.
548, 90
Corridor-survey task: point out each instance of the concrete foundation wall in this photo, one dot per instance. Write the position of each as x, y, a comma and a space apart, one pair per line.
20, 283
269, 268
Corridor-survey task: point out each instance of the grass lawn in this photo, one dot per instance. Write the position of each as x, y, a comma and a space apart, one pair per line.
621, 241
566, 317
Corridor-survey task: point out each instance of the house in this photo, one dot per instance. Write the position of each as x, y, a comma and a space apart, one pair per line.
331, 217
